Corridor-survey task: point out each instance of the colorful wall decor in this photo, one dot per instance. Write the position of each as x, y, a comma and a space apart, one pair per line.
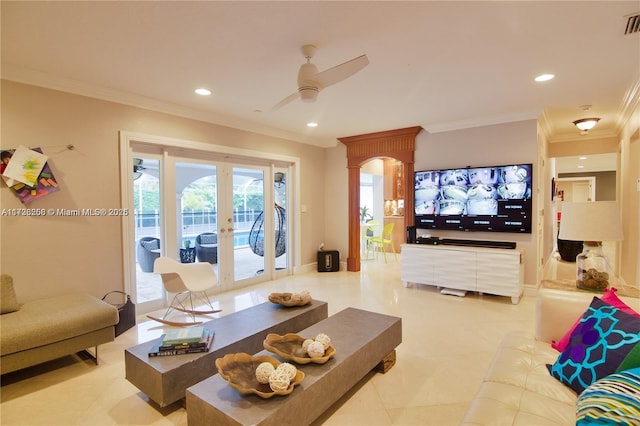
27, 172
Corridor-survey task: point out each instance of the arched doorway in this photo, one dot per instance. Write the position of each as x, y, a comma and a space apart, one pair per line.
398, 144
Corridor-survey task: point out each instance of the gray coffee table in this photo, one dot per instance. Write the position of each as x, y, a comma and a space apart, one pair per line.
165, 379
363, 341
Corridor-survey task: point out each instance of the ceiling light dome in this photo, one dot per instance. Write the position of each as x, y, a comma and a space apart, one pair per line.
586, 124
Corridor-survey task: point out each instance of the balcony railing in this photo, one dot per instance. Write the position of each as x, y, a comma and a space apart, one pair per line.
195, 222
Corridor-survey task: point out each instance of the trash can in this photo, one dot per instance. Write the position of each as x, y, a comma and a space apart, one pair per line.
328, 261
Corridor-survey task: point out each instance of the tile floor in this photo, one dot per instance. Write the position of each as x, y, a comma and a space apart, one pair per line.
448, 343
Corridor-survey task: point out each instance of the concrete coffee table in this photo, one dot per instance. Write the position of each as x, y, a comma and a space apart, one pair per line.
165, 379
363, 341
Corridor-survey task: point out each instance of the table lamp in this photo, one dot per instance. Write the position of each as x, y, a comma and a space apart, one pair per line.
591, 222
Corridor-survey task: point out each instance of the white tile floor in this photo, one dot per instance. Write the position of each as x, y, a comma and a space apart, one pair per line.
447, 345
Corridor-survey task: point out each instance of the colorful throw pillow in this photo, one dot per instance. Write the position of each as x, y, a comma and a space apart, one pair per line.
609, 296
632, 360
598, 345
613, 400
8, 300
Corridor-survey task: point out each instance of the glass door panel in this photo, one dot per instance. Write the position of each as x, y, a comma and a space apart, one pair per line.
148, 228
281, 219
248, 222
197, 213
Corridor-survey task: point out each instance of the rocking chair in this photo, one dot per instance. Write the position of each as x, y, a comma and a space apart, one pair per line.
189, 282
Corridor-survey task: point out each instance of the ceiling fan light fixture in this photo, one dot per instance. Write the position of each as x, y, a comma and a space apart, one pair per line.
308, 93
586, 124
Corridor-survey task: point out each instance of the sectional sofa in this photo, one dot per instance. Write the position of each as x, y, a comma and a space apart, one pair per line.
519, 389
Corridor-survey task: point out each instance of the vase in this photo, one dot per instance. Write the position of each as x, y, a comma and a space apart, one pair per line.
593, 269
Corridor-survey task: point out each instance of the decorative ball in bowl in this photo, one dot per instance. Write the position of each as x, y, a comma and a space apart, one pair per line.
297, 349
240, 369
291, 299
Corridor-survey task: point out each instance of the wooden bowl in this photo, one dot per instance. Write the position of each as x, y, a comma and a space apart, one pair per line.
239, 370
289, 347
290, 299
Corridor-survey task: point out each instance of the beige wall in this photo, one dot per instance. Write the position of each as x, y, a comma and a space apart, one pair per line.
630, 200
53, 255
509, 143
605, 184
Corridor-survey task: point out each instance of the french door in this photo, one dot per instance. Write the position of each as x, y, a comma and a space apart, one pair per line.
200, 207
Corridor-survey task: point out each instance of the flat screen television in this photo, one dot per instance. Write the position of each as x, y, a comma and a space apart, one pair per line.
493, 199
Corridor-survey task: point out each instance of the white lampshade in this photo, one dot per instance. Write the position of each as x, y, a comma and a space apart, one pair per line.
591, 221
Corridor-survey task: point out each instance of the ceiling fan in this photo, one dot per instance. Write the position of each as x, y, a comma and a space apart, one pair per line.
311, 82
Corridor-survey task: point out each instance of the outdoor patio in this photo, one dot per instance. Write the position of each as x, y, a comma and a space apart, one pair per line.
247, 264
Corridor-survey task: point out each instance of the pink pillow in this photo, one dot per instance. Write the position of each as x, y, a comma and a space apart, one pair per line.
609, 297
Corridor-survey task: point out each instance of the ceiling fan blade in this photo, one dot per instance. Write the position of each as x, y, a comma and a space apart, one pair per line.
292, 97
340, 72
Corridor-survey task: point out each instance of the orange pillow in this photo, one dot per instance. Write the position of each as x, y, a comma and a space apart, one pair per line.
609, 297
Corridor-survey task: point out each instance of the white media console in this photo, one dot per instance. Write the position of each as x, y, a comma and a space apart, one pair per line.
479, 269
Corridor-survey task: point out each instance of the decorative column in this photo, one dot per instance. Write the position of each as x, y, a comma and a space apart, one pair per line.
353, 258
399, 144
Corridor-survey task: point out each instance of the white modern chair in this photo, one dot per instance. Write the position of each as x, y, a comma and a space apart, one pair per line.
189, 283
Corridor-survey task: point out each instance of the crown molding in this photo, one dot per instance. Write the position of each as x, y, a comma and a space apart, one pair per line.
490, 121
630, 103
63, 84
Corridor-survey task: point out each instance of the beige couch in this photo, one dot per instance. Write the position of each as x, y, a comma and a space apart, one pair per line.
49, 328
518, 389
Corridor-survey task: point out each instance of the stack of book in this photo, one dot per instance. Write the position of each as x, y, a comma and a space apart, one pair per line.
183, 341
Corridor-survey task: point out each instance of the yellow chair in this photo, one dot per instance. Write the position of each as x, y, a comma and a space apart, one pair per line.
372, 231
386, 238
189, 283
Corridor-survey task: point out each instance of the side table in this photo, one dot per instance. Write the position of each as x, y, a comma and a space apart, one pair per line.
561, 275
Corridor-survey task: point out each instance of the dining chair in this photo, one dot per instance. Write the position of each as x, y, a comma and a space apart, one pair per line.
384, 239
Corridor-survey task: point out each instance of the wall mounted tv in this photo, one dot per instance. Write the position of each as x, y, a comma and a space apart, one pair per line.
493, 199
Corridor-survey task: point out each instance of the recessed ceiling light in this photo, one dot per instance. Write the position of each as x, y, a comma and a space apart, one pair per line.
203, 92
581, 167
544, 77
312, 124
582, 158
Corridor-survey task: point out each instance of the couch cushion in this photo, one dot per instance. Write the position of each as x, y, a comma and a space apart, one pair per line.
597, 347
609, 296
517, 385
43, 321
614, 399
206, 239
8, 299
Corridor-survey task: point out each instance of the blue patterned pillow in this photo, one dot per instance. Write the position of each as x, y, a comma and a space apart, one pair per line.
613, 400
151, 244
602, 339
